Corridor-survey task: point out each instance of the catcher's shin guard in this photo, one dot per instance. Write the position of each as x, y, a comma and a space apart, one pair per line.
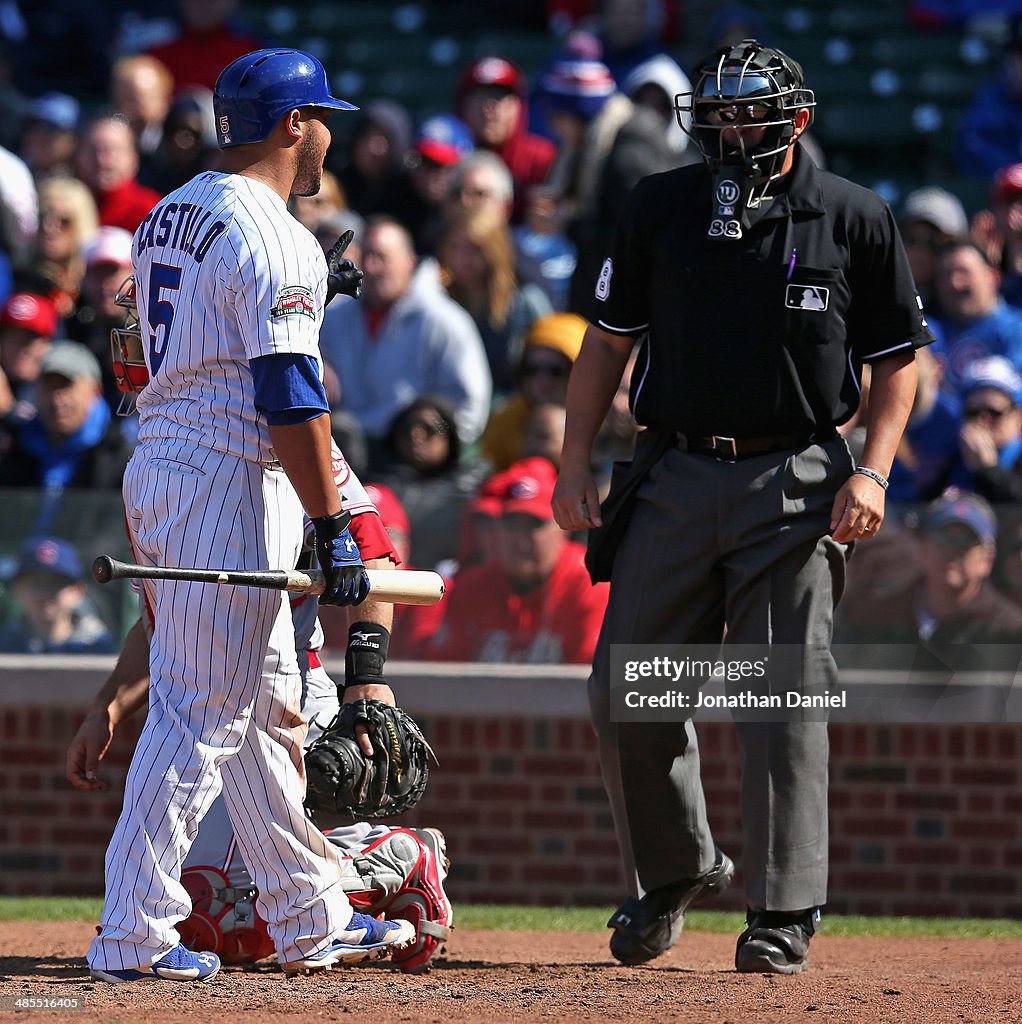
401, 873
224, 919
424, 902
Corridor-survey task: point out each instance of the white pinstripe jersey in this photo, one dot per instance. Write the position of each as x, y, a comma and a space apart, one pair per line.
223, 274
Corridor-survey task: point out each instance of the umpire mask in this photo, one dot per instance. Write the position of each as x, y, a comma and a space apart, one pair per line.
741, 115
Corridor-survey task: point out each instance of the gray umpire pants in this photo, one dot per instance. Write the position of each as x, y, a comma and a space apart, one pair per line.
744, 544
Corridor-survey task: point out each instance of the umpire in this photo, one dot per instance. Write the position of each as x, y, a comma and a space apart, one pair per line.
759, 286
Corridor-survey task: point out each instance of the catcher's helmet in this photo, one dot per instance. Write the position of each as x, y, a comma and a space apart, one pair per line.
754, 85
254, 92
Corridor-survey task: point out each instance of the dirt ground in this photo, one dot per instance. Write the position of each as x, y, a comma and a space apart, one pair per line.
498, 977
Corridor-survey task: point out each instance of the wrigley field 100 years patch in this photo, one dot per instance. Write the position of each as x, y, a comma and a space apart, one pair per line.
292, 300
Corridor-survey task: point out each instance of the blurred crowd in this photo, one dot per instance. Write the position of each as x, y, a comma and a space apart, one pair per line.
480, 230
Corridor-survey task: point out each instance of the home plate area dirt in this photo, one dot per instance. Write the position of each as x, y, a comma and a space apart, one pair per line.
496, 977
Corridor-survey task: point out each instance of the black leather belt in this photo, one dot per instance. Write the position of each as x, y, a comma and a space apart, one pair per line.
730, 449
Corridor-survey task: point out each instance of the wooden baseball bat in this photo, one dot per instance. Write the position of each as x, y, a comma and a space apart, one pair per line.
393, 586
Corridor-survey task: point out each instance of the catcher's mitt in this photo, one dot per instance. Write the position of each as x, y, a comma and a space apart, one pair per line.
343, 780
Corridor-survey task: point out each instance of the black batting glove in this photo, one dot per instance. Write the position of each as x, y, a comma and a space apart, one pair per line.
340, 560
343, 277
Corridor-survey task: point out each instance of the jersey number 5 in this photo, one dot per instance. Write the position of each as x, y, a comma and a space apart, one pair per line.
161, 310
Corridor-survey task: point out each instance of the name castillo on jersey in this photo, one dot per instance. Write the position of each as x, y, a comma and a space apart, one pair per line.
181, 226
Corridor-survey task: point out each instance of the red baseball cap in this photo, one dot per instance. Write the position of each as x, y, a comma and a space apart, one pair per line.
493, 71
34, 313
1007, 184
529, 488
489, 497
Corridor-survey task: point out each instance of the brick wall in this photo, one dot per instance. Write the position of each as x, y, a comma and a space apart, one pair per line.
924, 818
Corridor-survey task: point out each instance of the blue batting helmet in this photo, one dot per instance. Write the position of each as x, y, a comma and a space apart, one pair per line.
254, 92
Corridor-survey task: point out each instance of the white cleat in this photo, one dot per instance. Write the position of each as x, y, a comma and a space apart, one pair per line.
365, 939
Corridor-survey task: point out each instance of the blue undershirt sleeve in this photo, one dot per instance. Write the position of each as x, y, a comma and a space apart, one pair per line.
287, 388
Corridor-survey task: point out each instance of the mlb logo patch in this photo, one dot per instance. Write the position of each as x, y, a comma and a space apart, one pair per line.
807, 296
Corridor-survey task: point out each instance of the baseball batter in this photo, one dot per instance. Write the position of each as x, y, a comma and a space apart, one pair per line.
385, 870
234, 440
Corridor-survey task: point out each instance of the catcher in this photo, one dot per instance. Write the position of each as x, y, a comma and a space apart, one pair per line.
394, 870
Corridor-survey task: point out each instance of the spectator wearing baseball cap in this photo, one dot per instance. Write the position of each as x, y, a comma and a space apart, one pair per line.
930, 217
27, 325
491, 99
443, 139
107, 268
441, 142
957, 602
938, 208
991, 434
53, 615
535, 602
933, 587
50, 139
74, 441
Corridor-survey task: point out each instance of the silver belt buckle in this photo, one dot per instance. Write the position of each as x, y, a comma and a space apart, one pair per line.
724, 448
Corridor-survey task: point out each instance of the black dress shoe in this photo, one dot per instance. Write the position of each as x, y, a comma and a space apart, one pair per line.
775, 942
643, 929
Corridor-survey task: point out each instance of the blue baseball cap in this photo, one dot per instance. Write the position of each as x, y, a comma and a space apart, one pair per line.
444, 139
56, 109
992, 372
968, 510
50, 555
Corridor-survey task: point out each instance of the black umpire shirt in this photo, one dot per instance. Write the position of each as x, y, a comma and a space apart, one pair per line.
764, 335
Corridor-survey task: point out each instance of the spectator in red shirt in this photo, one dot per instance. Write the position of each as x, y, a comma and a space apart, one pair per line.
534, 603
108, 164
491, 101
27, 325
